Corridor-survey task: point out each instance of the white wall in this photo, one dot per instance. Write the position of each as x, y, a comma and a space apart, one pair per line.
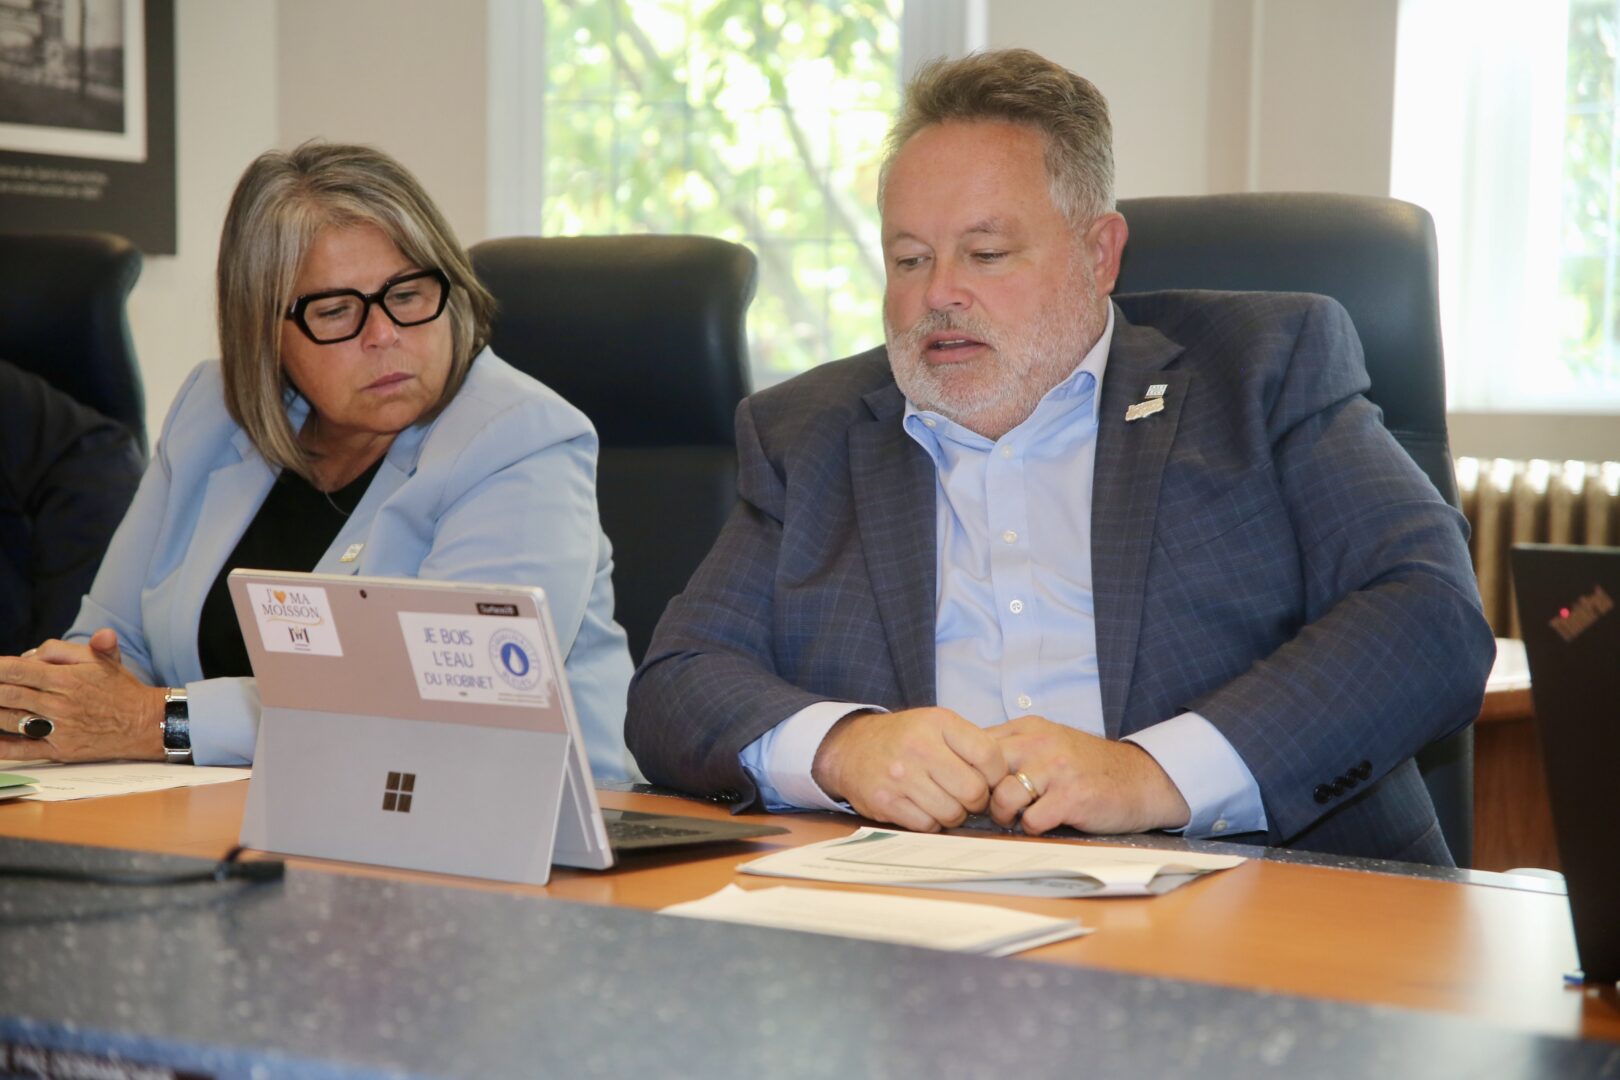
1555, 436
225, 113
1150, 59
1228, 95
403, 75
1326, 95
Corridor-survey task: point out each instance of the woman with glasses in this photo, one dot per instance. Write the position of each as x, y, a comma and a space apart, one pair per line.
357, 422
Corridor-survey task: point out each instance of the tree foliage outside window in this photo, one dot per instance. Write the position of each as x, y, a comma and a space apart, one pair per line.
757, 121
1589, 285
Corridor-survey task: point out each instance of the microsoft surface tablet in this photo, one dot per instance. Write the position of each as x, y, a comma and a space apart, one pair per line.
425, 725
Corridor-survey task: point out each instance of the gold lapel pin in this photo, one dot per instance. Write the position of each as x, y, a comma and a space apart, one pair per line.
1152, 402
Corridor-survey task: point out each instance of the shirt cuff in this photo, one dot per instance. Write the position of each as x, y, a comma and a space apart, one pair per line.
1219, 788
224, 719
781, 759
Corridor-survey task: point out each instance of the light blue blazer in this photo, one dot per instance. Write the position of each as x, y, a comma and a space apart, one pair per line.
499, 488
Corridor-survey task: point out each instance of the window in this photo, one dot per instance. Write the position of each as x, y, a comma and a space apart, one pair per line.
757, 122
1589, 240
1506, 131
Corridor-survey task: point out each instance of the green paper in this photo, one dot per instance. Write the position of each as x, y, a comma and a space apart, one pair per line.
11, 779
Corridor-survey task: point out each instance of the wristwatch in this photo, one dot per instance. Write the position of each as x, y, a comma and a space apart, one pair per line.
176, 727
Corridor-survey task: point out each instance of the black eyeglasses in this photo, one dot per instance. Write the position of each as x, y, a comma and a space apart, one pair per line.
327, 318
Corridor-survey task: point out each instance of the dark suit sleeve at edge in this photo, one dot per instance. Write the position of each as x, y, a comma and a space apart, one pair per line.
707, 687
74, 473
1395, 650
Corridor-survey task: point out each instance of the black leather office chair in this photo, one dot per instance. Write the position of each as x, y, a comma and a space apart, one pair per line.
62, 317
646, 335
1375, 256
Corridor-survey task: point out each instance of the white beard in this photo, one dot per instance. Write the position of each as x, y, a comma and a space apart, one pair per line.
996, 393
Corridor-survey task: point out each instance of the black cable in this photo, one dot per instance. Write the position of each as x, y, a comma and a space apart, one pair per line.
229, 868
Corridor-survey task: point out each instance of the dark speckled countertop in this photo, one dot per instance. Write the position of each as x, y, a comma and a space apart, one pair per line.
327, 975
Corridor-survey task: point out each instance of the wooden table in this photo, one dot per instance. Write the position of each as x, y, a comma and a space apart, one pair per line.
1482, 950
1512, 814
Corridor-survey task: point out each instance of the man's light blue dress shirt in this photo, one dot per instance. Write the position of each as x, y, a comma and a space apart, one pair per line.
1014, 628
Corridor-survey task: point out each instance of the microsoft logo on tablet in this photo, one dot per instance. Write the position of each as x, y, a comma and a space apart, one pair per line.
397, 792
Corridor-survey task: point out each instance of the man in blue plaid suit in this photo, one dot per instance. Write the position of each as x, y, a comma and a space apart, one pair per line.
1151, 563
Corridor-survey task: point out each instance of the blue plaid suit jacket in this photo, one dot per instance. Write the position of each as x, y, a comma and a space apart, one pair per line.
1263, 552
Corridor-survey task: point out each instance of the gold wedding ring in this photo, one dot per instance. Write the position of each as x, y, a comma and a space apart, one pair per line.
1029, 785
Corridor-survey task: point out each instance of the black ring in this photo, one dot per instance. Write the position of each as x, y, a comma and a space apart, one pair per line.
35, 727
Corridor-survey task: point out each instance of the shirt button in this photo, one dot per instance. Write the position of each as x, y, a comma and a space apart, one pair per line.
1010, 537
1016, 607
927, 422
1006, 451
1219, 826
1025, 701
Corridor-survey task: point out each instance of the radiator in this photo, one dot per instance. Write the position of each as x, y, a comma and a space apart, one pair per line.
1549, 502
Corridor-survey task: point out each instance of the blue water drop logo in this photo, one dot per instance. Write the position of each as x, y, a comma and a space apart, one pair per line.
515, 659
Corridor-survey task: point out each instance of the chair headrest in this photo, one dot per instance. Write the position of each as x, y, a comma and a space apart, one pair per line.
62, 317
1375, 256
645, 334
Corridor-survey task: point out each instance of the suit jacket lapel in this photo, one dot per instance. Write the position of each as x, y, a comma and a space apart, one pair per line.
1125, 500
893, 485
398, 465
231, 497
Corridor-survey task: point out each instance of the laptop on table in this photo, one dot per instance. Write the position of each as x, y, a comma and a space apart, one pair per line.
427, 725
1567, 606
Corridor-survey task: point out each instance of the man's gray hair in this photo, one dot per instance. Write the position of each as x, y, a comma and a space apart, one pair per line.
1021, 87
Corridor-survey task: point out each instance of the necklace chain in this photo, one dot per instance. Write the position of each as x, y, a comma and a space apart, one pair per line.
327, 495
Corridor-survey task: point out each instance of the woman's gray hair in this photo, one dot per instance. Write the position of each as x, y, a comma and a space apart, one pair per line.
282, 201
1021, 87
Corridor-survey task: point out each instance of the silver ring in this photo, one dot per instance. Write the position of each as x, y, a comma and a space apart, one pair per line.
1029, 785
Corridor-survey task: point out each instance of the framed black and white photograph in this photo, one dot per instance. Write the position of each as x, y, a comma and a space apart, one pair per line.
73, 78
87, 118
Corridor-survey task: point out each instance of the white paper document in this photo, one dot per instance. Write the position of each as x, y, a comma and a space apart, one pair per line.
62, 783
871, 856
1511, 669
901, 920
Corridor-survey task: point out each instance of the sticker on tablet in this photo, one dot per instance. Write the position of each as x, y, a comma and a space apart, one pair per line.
295, 619
491, 660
